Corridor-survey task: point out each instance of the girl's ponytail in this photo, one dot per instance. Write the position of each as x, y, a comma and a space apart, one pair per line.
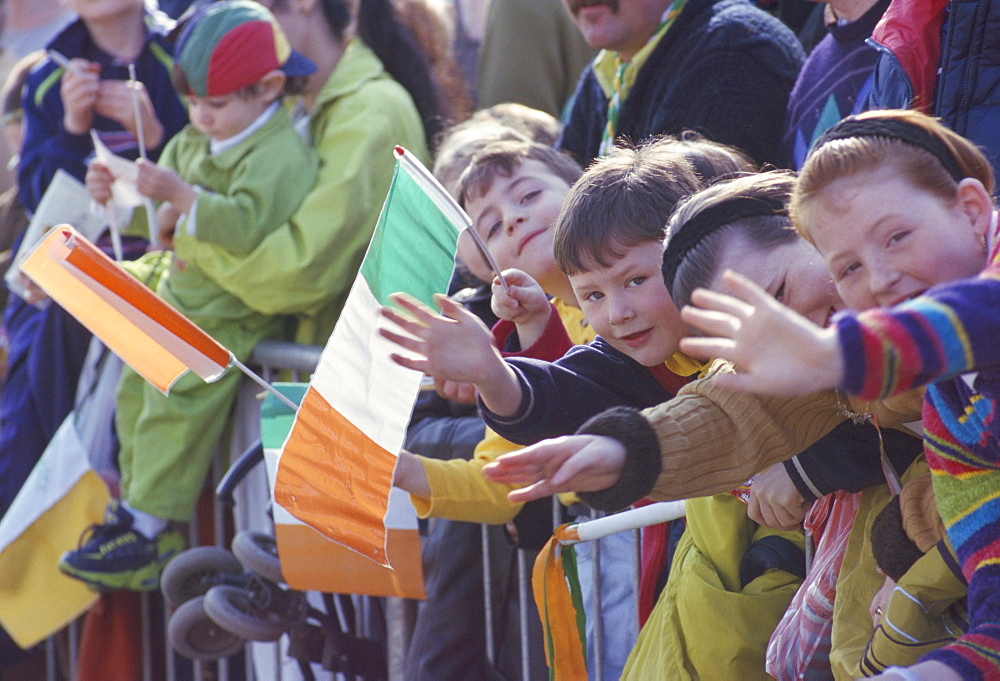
396, 47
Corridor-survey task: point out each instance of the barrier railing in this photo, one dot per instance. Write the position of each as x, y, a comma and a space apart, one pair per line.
271, 661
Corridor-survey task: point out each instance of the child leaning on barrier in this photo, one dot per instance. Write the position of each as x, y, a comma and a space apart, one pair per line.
635, 190
237, 172
901, 210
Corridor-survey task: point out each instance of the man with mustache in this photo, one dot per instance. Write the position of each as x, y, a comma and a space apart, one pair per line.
722, 67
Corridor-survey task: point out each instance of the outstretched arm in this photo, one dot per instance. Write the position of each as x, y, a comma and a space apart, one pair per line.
574, 463
453, 346
775, 350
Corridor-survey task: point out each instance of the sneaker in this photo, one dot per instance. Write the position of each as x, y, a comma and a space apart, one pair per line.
114, 556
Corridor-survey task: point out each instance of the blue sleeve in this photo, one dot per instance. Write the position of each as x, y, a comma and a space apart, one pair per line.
847, 459
47, 146
558, 397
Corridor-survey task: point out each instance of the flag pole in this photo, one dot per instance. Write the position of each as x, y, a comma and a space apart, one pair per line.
154, 232
264, 384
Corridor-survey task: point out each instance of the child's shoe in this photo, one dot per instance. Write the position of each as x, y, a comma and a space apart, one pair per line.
115, 556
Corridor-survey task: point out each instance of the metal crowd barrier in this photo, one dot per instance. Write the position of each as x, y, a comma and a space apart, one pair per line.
269, 661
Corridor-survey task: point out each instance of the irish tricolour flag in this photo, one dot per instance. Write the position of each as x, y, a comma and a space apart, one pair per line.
335, 470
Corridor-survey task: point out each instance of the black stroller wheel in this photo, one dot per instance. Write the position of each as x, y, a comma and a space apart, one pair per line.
194, 634
232, 607
195, 571
258, 552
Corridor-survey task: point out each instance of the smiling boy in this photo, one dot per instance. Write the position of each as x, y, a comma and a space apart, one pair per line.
608, 244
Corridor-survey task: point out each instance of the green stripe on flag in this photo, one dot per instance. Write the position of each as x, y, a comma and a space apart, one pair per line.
413, 248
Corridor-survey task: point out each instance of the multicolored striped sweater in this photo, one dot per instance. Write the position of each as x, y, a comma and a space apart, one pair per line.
949, 338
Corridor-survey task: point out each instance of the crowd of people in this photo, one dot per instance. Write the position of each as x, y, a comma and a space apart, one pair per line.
747, 258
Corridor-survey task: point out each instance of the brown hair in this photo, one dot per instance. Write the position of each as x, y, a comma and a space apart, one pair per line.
623, 199
501, 159
13, 84
841, 157
460, 143
712, 161
537, 125
699, 264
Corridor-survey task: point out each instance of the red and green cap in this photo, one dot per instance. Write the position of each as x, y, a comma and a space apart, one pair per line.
228, 46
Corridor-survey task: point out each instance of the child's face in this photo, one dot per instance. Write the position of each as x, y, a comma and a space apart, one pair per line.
516, 215
885, 240
225, 116
794, 273
627, 304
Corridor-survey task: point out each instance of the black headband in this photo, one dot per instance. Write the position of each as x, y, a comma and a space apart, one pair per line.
689, 234
893, 128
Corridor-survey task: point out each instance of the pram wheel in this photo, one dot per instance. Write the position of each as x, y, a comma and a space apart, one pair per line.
194, 634
233, 608
258, 552
193, 572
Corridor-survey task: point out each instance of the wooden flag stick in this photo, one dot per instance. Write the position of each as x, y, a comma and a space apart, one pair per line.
154, 232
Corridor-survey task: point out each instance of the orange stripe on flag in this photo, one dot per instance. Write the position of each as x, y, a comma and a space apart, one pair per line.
149, 335
311, 562
90, 260
346, 500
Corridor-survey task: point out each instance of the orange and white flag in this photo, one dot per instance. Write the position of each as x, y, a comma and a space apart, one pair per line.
149, 335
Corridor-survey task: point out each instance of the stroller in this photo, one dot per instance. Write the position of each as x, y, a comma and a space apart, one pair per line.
224, 599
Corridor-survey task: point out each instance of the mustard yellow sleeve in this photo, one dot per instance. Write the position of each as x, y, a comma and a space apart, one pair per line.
460, 492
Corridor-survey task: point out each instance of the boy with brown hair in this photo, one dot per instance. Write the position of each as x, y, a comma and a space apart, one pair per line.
605, 254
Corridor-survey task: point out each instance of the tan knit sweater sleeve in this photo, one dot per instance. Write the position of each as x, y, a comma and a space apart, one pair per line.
712, 440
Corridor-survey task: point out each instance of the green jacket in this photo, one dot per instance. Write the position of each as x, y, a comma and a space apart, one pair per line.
307, 266
248, 192
706, 625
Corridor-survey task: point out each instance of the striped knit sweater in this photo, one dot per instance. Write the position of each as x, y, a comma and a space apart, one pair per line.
949, 338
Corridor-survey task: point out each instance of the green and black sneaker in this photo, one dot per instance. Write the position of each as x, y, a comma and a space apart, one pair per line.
114, 556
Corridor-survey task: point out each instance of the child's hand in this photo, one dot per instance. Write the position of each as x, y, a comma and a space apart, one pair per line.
575, 463
526, 305
166, 223
775, 501
464, 393
775, 350
79, 90
115, 101
99, 179
163, 184
452, 346
526, 301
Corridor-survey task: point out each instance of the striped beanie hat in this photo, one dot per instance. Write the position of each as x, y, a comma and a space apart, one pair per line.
227, 46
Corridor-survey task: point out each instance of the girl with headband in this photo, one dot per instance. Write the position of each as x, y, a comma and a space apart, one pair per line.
901, 210
713, 440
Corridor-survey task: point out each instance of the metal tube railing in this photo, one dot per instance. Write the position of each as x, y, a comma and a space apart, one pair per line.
274, 358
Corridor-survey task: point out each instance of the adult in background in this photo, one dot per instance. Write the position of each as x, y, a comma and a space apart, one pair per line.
371, 90
836, 78
721, 67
